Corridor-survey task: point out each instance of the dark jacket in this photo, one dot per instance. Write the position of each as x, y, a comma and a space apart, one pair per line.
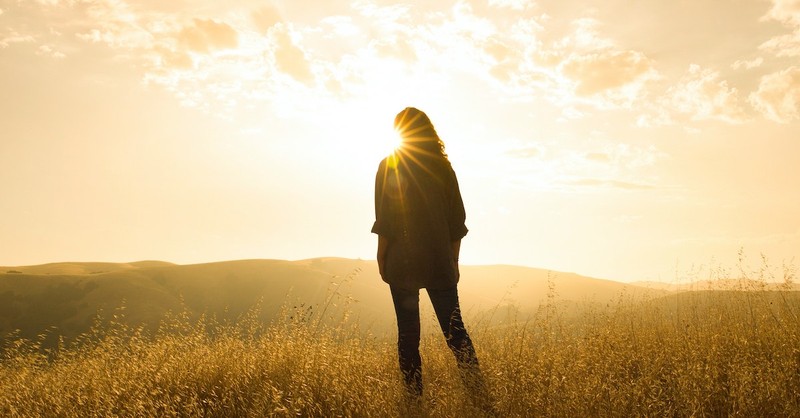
418, 208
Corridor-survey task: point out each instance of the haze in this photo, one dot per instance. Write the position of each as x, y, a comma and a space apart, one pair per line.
631, 140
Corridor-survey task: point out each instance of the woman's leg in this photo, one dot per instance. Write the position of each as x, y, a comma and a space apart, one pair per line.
406, 307
448, 312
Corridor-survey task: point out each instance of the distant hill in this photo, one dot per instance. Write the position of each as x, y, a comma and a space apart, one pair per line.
68, 296
82, 268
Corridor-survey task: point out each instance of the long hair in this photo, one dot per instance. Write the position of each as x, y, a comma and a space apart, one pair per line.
418, 134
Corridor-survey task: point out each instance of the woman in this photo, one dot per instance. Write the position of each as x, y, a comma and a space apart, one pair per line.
419, 219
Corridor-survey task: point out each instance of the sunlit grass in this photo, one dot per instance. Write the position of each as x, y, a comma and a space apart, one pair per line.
713, 353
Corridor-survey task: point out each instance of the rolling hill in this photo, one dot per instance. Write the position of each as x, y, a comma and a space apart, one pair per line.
67, 297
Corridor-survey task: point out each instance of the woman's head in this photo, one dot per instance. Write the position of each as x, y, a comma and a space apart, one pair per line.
417, 133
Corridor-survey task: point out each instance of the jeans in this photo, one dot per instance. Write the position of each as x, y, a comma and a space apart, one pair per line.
445, 304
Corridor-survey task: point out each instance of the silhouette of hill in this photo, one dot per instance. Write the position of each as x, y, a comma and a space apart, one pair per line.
82, 268
66, 297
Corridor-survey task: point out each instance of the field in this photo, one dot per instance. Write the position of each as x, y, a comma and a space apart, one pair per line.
699, 353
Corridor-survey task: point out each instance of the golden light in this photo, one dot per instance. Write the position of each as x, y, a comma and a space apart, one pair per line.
370, 135
394, 141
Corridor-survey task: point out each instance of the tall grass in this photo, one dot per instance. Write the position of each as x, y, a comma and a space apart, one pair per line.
710, 353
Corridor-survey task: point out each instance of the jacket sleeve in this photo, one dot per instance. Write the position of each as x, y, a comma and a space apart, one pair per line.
382, 225
457, 215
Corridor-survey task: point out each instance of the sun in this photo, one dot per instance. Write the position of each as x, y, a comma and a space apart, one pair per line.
393, 141
383, 140
358, 132
370, 134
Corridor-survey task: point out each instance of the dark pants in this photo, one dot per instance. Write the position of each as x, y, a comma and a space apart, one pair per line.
445, 304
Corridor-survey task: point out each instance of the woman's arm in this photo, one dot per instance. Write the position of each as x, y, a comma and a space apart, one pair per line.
456, 250
456, 214
383, 246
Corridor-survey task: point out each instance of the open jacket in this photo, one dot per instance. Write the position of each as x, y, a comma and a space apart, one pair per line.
418, 208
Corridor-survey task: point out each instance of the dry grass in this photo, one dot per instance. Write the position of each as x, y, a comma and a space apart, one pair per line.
721, 353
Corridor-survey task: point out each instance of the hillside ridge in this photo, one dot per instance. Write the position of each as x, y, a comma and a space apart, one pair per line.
68, 296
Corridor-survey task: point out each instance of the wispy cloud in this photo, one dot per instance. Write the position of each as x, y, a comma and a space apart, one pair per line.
787, 45
778, 95
747, 64
517, 5
527, 152
114, 23
289, 56
266, 17
583, 67
48, 51
205, 35
788, 13
14, 37
605, 184
610, 166
601, 71
508, 45
599, 157
702, 95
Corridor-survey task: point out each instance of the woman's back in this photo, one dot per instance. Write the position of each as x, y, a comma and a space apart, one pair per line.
419, 207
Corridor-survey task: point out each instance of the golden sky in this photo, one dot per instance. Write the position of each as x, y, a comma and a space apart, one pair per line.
629, 140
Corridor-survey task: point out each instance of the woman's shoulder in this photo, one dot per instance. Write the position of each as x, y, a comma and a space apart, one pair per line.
391, 161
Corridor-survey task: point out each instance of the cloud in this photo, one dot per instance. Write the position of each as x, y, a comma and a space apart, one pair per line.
174, 59
113, 23
599, 157
459, 35
574, 65
620, 156
778, 95
343, 26
581, 68
633, 158
702, 95
388, 18
527, 152
505, 56
747, 65
498, 50
14, 37
585, 37
396, 48
289, 57
788, 13
206, 35
784, 45
605, 70
266, 17
569, 167
48, 51
658, 117
517, 5
376, 33
614, 184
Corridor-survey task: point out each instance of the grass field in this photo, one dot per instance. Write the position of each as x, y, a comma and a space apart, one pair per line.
701, 353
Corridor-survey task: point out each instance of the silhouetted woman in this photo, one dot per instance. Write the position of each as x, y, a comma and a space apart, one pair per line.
419, 219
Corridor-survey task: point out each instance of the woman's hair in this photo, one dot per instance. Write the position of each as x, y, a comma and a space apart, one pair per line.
418, 133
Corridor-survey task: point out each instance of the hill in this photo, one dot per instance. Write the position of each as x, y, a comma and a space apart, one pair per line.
66, 297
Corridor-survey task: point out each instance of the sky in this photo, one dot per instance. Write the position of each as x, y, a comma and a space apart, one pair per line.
646, 140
